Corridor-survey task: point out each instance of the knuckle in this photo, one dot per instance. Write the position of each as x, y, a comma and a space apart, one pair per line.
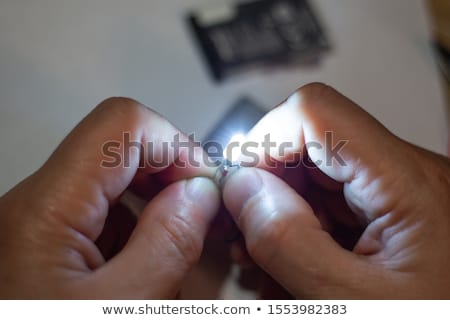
315, 90
120, 103
124, 110
316, 96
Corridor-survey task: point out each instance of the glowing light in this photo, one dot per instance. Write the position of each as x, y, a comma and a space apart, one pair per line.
233, 149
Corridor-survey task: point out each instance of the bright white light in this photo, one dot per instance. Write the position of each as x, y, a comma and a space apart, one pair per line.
233, 149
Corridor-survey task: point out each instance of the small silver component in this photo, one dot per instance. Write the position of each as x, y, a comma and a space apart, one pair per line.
225, 170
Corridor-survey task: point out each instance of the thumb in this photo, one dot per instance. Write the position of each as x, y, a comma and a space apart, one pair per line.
286, 239
165, 245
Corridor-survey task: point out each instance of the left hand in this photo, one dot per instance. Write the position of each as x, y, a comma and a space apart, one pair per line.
50, 222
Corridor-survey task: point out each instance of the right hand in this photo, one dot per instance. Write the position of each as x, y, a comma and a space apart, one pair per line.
374, 226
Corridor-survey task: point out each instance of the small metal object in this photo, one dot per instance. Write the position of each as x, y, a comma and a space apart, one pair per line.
226, 169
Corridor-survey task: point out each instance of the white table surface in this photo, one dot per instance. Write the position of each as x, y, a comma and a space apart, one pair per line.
59, 58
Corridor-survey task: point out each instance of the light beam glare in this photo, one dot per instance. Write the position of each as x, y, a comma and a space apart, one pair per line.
233, 149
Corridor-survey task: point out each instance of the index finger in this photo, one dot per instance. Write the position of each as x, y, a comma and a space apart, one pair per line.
99, 159
342, 140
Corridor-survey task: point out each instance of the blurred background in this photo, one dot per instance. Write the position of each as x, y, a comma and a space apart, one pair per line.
191, 60
59, 58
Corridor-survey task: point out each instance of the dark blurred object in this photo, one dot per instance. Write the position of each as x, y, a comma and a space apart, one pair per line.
242, 116
444, 60
256, 33
440, 11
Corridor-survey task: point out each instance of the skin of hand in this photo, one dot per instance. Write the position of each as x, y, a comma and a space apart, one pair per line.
375, 226
51, 221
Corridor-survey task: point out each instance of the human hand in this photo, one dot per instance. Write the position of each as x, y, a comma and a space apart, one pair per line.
49, 223
374, 223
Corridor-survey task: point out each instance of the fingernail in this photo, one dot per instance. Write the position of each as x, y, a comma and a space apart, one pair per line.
241, 187
204, 192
